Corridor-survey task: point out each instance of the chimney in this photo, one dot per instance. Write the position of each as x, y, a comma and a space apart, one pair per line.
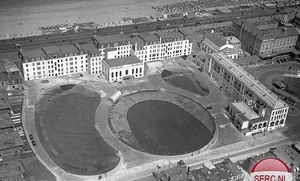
227, 42
212, 31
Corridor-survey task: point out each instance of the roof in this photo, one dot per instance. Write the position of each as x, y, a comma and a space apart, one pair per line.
268, 32
173, 34
112, 38
257, 158
50, 50
247, 60
123, 61
266, 24
138, 40
280, 32
228, 168
254, 85
4, 104
90, 47
287, 154
9, 139
11, 56
244, 108
11, 171
232, 39
217, 39
148, 37
33, 53
68, 49
5, 120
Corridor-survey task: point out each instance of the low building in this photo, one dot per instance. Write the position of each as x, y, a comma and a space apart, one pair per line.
5, 120
290, 154
118, 69
226, 170
243, 117
179, 172
10, 145
4, 104
11, 171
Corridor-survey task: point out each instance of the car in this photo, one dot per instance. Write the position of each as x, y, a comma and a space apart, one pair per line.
31, 137
45, 81
208, 107
33, 143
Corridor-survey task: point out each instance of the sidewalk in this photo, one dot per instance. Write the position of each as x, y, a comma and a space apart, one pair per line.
213, 155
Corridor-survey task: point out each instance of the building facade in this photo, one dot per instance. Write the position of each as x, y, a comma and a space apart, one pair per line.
53, 61
271, 110
118, 69
265, 41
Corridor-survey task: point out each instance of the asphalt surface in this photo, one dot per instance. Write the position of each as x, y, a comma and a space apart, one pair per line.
31, 42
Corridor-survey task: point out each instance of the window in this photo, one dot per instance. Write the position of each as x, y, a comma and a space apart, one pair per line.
126, 72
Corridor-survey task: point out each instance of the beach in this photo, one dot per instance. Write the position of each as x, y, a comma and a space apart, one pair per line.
23, 18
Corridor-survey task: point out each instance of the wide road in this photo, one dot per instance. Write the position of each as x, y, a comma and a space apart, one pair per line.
85, 35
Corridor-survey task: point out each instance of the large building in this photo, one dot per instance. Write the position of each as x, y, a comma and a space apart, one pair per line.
53, 61
60, 60
267, 112
214, 42
265, 39
10, 145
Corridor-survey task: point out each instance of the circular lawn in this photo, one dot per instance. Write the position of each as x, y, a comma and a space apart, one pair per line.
65, 119
163, 128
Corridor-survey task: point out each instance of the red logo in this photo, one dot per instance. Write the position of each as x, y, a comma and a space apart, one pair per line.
271, 169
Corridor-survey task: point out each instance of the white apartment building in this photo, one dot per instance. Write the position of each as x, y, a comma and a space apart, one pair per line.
94, 58
270, 111
113, 46
161, 45
118, 69
53, 61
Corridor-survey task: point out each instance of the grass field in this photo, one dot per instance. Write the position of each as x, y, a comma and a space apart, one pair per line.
185, 81
164, 128
65, 125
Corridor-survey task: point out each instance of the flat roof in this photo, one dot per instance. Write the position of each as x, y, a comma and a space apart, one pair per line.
5, 120
254, 85
287, 154
112, 38
9, 138
33, 53
280, 32
246, 60
123, 61
244, 108
4, 104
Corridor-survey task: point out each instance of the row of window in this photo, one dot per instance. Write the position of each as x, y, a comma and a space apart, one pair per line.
119, 73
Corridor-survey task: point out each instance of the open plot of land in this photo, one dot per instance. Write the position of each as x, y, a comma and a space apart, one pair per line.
37, 171
65, 119
185, 81
164, 128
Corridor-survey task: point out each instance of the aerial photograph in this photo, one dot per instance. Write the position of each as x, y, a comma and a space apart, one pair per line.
149, 90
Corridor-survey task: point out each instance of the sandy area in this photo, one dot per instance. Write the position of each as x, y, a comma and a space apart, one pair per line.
21, 17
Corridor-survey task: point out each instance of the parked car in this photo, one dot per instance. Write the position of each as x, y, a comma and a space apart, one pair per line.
45, 81
31, 137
